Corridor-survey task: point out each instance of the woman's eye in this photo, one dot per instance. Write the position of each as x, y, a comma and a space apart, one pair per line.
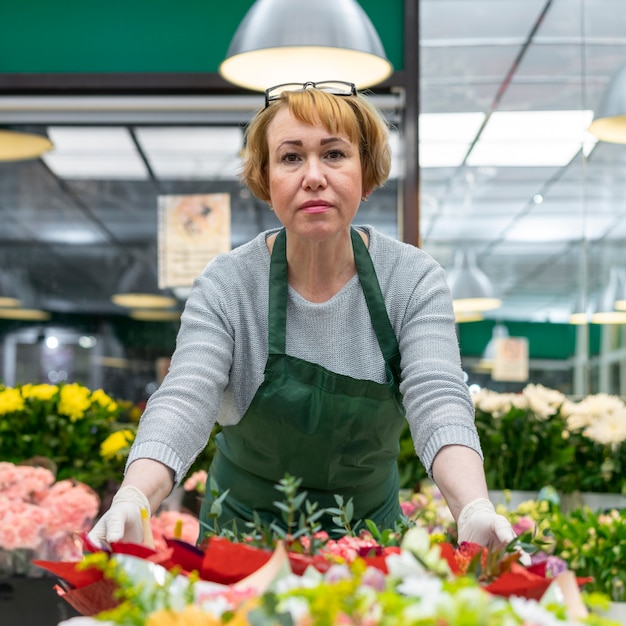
335, 154
289, 157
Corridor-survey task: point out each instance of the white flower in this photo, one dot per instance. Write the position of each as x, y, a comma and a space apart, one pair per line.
609, 428
531, 612
543, 402
584, 413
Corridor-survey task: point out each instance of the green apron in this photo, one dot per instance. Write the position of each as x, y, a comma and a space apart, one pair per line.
338, 434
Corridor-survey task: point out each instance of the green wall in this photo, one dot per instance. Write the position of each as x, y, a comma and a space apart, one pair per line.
545, 340
137, 36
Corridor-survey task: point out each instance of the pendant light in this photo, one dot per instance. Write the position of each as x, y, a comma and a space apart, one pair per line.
283, 41
472, 291
8, 290
609, 123
20, 146
605, 312
138, 289
499, 331
18, 300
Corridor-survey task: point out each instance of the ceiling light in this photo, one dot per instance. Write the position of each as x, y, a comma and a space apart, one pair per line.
154, 315
9, 296
609, 122
486, 362
282, 41
98, 153
138, 289
531, 138
581, 311
471, 289
16, 313
605, 312
19, 146
463, 317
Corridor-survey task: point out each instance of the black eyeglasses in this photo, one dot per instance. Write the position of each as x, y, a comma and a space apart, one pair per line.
334, 87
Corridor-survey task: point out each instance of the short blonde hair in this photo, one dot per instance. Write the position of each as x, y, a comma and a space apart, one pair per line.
354, 116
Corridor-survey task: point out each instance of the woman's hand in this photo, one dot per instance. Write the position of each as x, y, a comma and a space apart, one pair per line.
125, 519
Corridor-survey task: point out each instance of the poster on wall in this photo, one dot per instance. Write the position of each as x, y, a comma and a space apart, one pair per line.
510, 362
193, 229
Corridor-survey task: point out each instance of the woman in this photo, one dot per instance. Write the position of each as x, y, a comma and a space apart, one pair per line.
312, 344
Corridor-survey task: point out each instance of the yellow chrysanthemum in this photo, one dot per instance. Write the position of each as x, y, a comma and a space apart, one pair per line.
191, 615
105, 401
10, 401
115, 443
39, 392
74, 401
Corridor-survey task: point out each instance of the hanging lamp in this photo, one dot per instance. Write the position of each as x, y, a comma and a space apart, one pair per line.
138, 289
20, 146
605, 312
283, 41
9, 296
472, 291
609, 123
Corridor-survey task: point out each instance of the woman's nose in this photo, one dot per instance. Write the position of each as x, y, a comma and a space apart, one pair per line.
313, 175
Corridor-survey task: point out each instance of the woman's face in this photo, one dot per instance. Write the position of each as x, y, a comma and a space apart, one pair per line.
315, 178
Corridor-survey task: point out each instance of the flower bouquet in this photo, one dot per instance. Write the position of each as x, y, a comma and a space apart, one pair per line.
417, 582
40, 517
411, 574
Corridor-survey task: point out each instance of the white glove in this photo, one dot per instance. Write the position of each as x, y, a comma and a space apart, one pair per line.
123, 521
479, 523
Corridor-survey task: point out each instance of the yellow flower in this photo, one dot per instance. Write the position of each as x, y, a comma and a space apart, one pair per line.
105, 401
74, 401
39, 392
10, 401
116, 442
191, 615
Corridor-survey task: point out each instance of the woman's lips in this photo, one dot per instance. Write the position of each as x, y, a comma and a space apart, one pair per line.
315, 207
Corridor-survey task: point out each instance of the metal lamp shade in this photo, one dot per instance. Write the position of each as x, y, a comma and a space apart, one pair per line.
471, 289
17, 146
282, 41
609, 122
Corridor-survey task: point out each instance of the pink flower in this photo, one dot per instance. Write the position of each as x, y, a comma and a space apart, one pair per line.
174, 525
38, 514
196, 482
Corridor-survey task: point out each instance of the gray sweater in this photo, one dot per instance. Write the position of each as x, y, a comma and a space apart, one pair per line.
221, 350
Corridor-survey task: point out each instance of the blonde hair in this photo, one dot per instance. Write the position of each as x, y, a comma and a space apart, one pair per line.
354, 116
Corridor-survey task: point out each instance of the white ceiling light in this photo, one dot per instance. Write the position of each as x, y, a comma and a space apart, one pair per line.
531, 138
190, 153
471, 289
282, 41
94, 153
445, 138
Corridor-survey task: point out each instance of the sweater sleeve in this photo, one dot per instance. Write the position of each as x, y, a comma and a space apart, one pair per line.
438, 404
180, 415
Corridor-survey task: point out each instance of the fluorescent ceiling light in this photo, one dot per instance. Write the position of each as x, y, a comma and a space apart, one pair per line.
192, 152
532, 138
549, 229
446, 137
97, 153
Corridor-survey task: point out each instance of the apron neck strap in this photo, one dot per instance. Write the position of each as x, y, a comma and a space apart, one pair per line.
278, 290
